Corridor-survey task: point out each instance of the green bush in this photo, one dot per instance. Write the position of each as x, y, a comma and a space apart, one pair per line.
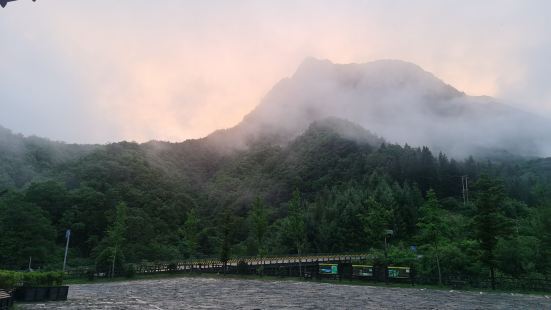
11, 279
42, 278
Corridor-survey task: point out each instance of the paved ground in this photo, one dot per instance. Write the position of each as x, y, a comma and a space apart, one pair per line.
208, 293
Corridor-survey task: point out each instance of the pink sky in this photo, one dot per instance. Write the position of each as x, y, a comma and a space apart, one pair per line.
99, 71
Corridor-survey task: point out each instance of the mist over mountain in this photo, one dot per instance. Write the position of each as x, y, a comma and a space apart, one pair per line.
342, 172
26, 159
383, 101
396, 100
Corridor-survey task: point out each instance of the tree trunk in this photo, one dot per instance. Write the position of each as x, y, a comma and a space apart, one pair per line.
439, 270
299, 264
438, 263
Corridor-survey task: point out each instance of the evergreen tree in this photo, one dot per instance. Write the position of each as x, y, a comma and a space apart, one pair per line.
258, 219
544, 232
225, 238
189, 233
432, 227
295, 224
376, 222
489, 223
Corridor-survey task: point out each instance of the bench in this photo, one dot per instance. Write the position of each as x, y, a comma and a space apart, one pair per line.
6, 300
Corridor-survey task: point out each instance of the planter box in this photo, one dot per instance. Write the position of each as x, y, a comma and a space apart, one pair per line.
6, 300
58, 293
33, 294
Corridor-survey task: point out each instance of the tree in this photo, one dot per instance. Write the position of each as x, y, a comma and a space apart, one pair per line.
376, 222
295, 225
113, 242
50, 196
190, 234
25, 231
258, 220
432, 226
488, 221
544, 233
226, 238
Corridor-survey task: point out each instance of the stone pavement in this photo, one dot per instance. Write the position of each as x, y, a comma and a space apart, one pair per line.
211, 293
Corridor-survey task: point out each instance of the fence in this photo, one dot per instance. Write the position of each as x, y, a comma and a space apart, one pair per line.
253, 264
294, 266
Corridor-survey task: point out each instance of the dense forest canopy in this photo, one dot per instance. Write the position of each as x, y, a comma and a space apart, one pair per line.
327, 190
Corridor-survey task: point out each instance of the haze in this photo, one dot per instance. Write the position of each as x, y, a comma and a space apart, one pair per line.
100, 71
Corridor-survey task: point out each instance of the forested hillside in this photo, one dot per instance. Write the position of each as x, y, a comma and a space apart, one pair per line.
334, 188
27, 159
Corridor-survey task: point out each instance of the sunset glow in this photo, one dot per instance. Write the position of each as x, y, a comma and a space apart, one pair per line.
173, 70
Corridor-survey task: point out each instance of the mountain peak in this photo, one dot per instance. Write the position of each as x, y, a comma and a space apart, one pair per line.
394, 99
386, 74
310, 65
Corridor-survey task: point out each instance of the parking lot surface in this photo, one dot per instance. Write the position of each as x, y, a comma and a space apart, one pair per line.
215, 293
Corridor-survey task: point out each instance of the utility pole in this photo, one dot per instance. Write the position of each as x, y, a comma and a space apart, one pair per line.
68, 237
30, 262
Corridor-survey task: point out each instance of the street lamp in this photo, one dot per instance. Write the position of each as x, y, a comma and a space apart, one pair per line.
388, 233
68, 237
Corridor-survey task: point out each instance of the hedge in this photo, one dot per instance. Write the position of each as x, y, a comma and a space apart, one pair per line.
11, 279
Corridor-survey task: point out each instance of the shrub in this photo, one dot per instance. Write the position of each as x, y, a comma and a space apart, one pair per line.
11, 279
42, 278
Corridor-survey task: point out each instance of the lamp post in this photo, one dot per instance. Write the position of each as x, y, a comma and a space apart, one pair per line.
388, 233
68, 237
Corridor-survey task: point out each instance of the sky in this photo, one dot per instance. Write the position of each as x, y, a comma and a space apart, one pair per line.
104, 71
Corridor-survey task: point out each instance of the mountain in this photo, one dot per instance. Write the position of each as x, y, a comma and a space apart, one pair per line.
343, 172
319, 151
26, 159
396, 100
392, 100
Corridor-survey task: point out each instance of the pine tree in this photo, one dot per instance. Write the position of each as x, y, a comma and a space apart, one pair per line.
295, 224
376, 222
190, 233
489, 223
431, 227
258, 219
226, 238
